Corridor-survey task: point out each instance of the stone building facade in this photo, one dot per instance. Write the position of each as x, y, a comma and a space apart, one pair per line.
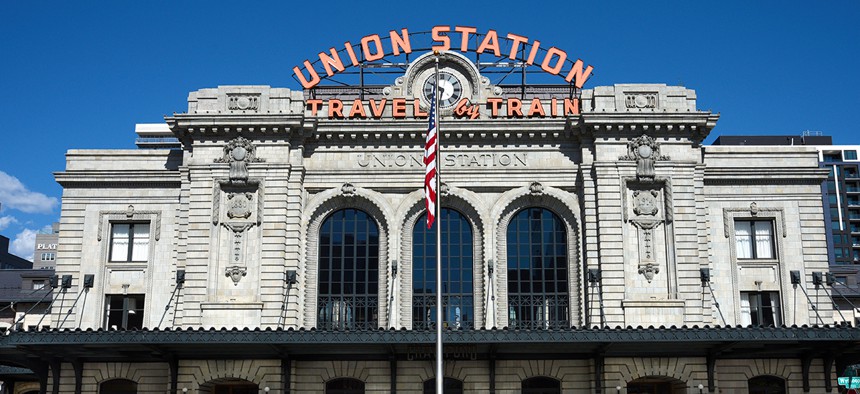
282, 249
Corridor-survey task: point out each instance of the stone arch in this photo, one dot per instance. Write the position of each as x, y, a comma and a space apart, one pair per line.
319, 208
117, 386
210, 385
670, 368
26, 387
767, 367
462, 201
678, 386
563, 204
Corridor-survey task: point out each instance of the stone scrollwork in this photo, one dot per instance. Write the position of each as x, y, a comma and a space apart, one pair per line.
649, 270
239, 152
536, 188
644, 150
240, 205
348, 189
645, 203
236, 273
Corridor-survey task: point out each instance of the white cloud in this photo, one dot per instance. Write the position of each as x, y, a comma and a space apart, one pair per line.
24, 243
13, 194
5, 221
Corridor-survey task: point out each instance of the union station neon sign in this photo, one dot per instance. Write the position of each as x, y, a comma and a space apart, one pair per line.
465, 39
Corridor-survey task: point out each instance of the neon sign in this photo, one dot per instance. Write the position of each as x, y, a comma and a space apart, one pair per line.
552, 60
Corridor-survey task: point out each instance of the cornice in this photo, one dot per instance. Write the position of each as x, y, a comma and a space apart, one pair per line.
137, 178
779, 176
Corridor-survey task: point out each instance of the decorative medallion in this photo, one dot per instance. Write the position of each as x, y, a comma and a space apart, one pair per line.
753, 208
236, 273
238, 152
240, 205
645, 203
348, 189
644, 151
536, 188
444, 189
649, 270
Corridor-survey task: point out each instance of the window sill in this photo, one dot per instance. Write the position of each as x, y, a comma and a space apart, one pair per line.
126, 266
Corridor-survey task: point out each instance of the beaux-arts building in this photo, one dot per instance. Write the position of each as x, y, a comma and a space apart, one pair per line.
590, 244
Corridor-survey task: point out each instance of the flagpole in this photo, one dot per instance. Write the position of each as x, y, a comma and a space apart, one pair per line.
440, 377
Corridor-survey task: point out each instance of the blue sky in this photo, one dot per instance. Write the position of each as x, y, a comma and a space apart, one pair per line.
79, 75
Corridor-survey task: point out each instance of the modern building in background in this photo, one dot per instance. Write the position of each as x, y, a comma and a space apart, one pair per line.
277, 243
841, 196
45, 252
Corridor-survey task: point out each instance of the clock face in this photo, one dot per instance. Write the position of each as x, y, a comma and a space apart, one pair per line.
450, 89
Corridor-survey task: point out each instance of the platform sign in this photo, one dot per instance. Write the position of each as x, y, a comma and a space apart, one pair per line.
850, 382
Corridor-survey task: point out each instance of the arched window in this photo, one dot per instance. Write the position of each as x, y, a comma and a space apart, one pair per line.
541, 385
449, 385
767, 385
348, 271
537, 270
118, 386
344, 386
457, 248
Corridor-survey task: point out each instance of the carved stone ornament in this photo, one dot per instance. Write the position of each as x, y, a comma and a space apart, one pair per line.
753, 208
644, 151
536, 188
348, 189
645, 203
240, 205
444, 189
649, 270
236, 273
239, 152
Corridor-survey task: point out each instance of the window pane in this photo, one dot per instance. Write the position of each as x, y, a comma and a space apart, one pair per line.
348, 274
457, 265
140, 249
743, 239
537, 270
850, 155
119, 242
764, 240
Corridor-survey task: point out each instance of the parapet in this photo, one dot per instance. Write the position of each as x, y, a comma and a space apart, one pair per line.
639, 98
251, 99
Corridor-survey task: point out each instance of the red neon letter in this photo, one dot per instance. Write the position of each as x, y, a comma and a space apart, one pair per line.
365, 47
536, 108
331, 61
315, 78
465, 30
357, 110
553, 51
571, 106
377, 111
515, 44
515, 107
491, 41
446, 42
576, 70
398, 108
335, 108
398, 42
315, 105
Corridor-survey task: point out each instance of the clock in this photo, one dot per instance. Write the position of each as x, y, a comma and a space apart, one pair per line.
450, 89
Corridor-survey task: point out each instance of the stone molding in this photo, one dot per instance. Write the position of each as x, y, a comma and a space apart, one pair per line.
317, 210
130, 215
563, 204
466, 204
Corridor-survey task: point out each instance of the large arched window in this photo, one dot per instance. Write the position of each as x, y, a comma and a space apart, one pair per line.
344, 386
541, 385
449, 386
537, 270
767, 385
118, 386
457, 248
348, 271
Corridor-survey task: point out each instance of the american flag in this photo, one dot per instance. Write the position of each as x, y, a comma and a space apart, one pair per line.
430, 164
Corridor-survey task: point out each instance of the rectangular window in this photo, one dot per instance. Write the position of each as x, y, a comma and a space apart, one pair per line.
754, 239
760, 308
129, 242
124, 312
38, 284
48, 257
850, 154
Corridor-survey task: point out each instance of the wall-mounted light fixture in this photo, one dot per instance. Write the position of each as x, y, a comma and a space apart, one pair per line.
705, 275
817, 278
831, 280
291, 277
66, 281
593, 275
180, 277
89, 280
795, 277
